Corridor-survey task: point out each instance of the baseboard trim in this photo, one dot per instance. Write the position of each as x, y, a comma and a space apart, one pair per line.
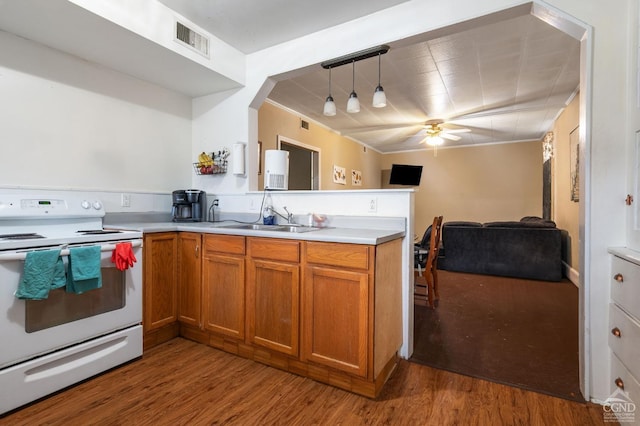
571, 274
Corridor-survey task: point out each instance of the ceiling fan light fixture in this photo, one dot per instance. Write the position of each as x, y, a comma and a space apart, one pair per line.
434, 140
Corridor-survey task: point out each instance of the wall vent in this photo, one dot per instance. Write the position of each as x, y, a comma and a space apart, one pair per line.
193, 39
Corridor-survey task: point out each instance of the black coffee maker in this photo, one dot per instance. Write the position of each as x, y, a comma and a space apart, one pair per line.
189, 205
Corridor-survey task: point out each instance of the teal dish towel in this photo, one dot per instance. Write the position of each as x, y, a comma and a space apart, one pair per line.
84, 269
43, 271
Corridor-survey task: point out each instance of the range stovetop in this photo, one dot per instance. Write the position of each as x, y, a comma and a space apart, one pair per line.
31, 222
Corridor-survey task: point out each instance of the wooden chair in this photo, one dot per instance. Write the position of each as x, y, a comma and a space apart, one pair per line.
430, 265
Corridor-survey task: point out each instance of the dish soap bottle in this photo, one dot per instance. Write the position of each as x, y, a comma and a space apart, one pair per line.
268, 217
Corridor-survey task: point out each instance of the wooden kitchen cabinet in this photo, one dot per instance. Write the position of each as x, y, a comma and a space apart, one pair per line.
336, 305
352, 309
160, 271
273, 294
328, 311
223, 281
190, 278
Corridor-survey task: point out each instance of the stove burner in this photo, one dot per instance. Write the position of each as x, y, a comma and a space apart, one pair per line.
99, 231
20, 236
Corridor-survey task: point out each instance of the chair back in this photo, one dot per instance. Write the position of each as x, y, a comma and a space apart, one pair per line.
434, 244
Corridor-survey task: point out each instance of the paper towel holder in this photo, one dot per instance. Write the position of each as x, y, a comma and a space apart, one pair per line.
239, 159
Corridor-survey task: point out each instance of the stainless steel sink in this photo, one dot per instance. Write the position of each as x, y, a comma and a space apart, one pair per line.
254, 226
298, 228
279, 228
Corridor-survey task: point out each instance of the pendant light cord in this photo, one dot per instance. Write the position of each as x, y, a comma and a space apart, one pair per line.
353, 77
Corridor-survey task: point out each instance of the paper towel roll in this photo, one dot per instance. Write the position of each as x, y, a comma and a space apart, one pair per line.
238, 158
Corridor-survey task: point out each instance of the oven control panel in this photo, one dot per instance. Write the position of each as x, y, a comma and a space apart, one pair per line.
42, 204
13, 206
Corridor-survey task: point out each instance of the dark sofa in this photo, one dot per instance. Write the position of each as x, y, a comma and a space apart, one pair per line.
530, 248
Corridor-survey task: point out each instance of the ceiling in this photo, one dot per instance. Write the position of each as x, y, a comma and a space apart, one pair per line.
506, 81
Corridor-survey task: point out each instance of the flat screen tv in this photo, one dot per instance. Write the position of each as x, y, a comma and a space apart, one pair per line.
405, 174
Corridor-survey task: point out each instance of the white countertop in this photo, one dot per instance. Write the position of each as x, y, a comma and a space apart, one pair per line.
330, 234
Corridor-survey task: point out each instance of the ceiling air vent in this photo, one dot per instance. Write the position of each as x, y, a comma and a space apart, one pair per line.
192, 39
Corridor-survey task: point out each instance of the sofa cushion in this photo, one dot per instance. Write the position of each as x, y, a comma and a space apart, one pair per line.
539, 220
522, 224
507, 224
465, 224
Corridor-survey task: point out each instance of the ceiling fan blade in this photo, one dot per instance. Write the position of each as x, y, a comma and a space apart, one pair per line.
456, 130
445, 135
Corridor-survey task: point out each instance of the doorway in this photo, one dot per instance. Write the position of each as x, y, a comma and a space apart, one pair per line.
304, 164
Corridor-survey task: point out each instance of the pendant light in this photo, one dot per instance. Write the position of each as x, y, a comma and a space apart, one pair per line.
353, 105
329, 105
379, 98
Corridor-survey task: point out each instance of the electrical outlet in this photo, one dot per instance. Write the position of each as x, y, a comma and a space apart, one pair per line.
373, 205
125, 200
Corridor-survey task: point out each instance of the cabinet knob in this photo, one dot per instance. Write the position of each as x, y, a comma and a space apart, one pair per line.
616, 332
619, 383
197, 250
618, 277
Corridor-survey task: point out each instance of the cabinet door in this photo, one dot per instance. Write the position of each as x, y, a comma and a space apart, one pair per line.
336, 319
160, 279
189, 282
273, 305
223, 286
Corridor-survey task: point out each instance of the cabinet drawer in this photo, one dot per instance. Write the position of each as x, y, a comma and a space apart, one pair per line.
621, 376
335, 254
627, 345
271, 249
625, 285
229, 244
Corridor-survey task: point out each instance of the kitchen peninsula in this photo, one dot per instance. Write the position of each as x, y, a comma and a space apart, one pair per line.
325, 304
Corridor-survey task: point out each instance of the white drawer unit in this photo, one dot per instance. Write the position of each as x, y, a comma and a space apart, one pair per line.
622, 379
624, 337
625, 285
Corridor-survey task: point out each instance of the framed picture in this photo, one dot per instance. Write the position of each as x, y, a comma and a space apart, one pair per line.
574, 165
259, 158
356, 178
339, 175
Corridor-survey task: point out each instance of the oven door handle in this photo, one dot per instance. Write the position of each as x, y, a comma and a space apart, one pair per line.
64, 252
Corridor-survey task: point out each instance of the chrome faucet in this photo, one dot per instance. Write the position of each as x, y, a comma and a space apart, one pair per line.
289, 216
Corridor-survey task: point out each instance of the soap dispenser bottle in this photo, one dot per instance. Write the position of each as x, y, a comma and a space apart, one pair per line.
268, 217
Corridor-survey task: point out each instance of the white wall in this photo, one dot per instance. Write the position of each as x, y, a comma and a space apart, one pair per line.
68, 123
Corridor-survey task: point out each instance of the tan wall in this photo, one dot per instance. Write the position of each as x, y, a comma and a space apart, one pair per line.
482, 184
564, 211
334, 149
487, 183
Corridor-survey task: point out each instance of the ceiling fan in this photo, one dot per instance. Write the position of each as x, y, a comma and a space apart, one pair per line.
435, 133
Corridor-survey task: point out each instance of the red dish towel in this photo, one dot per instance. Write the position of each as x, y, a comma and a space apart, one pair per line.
123, 256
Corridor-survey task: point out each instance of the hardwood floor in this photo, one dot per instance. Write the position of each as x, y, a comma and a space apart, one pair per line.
185, 383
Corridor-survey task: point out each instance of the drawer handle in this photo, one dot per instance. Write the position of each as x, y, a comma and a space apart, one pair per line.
616, 332
618, 277
619, 383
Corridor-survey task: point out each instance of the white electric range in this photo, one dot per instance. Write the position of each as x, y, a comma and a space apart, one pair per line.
52, 343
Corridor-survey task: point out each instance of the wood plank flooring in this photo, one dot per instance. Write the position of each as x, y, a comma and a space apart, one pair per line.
185, 383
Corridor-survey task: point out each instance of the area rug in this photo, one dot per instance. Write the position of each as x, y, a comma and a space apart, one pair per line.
522, 333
